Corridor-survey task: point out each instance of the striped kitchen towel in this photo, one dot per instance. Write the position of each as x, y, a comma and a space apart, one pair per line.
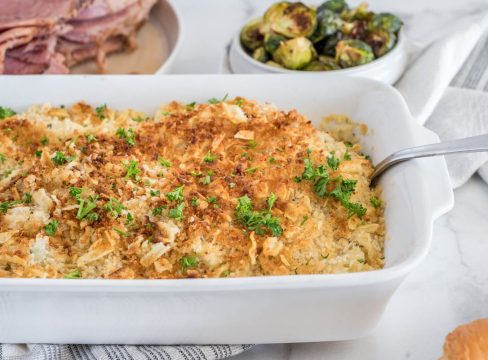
119, 352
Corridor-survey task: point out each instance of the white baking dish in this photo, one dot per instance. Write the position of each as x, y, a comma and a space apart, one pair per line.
245, 310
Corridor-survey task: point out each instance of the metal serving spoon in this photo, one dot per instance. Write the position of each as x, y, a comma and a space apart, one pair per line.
466, 145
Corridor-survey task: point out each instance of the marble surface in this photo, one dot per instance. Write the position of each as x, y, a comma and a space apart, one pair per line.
451, 285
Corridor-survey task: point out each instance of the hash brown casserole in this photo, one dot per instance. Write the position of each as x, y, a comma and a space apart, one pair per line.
229, 188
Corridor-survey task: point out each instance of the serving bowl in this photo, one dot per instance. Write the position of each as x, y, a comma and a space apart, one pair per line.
387, 68
269, 309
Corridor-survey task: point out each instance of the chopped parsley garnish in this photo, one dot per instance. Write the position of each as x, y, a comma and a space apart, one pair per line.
194, 202
121, 232
191, 106
206, 180
138, 119
61, 159
271, 160
38, 153
348, 144
133, 170
27, 198
239, 102
209, 157
333, 162
362, 261
342, 189
252, 144
304, 220
158, 210
176, 194
164, 162
75, 192
91, 138
114, 207
51, 228
261, 222
188, 261
6, 112
101, 111
75, 274
154, 192
214, 101
377, 203
213, 200
166, 113
86, 208
129, 136
177, 212
195, 173
251, 170
226, 273
2, 158
44, 140
4, 206
347, 156
86, 205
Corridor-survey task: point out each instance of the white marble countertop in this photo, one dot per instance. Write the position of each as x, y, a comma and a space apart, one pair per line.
451, 285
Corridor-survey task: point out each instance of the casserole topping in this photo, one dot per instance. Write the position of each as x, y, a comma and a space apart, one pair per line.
224, 189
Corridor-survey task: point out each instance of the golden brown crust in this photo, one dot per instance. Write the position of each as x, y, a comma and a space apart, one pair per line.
251, 150
467, 342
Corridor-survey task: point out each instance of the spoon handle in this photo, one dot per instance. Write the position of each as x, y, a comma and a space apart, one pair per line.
466, 145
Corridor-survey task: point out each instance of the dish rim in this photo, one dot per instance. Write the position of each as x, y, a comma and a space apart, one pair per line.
353, 279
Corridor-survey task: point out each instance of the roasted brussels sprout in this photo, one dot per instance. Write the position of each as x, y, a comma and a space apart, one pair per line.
251, 37
353, 52
328, 23
295, 53
272, 41
336, 6
260, 54
290, 19
385, 21
381, 41
324, 63
328, 45
360, 12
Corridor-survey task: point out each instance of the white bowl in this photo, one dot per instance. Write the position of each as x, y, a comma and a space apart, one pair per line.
266, 309
387, 68
170, 21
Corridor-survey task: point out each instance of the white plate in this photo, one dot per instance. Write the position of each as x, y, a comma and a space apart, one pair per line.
242, 310
387, 68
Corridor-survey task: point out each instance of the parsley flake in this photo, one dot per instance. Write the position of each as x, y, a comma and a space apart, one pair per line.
176, 194
188, 261
164, 162
214, 101
209, 158
133, 170
61, 159
261, 222
129, 136
101, 111
51, 228
177, 212
75, 274
6, 112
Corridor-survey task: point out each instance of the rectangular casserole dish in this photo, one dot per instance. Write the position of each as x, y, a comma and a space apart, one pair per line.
236, 310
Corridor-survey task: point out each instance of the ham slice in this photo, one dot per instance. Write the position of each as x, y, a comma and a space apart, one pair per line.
49, 35
15, 13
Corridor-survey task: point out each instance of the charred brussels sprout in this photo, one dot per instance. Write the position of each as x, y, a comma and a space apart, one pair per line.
260, 54
360, 12
324, 63
381, 41
336, 6
328, 23
272, 41
290, 19
251, 37
385, 21
353, 52
328, 45
295, 53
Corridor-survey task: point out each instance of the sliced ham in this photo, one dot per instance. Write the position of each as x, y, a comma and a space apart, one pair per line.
15, 13
49, 35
